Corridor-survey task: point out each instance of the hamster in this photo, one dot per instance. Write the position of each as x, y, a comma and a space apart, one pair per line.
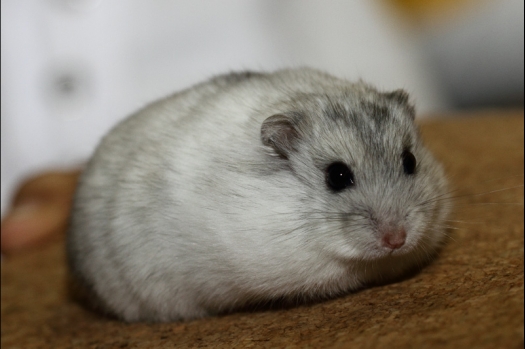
252, 187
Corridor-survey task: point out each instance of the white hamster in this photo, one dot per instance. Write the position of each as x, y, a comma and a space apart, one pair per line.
251, 187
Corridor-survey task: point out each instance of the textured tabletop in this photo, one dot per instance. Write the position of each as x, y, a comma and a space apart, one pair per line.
471, 296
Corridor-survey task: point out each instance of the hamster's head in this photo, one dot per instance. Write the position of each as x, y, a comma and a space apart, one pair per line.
369, 188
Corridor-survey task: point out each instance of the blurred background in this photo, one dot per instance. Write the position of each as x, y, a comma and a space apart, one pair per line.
70, 69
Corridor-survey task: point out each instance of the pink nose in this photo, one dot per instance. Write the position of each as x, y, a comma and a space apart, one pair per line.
394, 239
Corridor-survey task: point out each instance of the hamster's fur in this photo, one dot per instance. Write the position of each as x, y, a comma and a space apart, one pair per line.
218, 197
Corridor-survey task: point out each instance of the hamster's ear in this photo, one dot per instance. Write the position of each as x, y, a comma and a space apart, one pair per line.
278, 131
401, 97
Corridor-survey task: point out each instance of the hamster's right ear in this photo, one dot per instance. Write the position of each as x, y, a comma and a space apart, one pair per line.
280, 133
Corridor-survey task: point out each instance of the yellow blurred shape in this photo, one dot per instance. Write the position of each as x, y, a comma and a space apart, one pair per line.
423, 10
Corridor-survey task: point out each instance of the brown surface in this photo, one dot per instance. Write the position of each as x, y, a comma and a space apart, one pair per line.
470, 297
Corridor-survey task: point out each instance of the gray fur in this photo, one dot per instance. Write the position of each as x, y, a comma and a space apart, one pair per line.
202, 203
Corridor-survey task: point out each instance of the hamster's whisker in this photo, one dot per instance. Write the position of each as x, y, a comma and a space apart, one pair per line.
444, 197
421, 255
445, 226
439, 197
428, 250
465, 222
471, 195
452, 179
493, 203
444, 232
464, 206
309, 213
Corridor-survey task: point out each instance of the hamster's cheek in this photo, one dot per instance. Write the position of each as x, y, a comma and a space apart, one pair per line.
360, 245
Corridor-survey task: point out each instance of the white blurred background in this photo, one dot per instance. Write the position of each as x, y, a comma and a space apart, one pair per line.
70, 69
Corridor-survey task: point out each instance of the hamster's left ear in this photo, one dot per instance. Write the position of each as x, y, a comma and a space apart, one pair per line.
401, 97
280, 133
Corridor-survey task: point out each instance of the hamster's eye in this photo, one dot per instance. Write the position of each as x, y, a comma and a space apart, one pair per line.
409, 162
339, 176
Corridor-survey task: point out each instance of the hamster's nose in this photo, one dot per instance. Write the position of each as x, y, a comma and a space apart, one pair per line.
394, 239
